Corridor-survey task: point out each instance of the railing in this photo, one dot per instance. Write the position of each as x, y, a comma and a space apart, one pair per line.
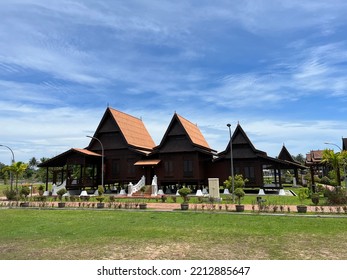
134, 188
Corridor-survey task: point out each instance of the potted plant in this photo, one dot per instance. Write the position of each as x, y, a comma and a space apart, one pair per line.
143, 204
24, 192
60, 194
239, 192
302, 195
183, 192
100, 198
41, 190
315, 198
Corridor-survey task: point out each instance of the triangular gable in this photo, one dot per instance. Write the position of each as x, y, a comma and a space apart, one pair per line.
242, 146
132, 129
188, 132
285, 155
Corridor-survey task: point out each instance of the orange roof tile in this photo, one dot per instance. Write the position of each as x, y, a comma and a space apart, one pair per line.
147, 162
87, 152
193, 132
133, 130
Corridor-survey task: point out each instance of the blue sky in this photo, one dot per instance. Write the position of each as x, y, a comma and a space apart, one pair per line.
277, 67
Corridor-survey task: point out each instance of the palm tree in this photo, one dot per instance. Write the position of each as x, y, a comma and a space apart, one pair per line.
33, 162
335, 160
17, 168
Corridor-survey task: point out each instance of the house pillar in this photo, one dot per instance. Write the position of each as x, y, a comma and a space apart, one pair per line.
47, 178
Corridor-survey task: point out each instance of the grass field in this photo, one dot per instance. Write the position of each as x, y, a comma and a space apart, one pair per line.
97, 235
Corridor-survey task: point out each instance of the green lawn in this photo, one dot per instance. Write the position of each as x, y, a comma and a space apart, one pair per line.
118, 234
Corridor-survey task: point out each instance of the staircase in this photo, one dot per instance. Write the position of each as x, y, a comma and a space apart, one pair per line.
147, 192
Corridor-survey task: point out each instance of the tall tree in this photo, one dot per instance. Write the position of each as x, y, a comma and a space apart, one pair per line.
300, 158
33, 162
335, 160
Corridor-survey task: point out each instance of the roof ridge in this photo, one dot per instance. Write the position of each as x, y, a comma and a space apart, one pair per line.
123, 113
187, 120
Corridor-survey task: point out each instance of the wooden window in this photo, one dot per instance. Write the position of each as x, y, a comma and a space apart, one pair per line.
188, 168
131, 167
169, 170
249, 172
115, 168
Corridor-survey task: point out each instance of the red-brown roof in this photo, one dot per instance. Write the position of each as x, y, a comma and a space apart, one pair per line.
193, 132
147, 162
316, 155
133, 129
86, 152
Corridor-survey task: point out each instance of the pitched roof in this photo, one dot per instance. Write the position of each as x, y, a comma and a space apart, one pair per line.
133, 129
61, 159
193, 132
240, 141
86, 152
285, 155
314, 157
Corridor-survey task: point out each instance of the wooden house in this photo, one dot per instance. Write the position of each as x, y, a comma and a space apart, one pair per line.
248, 161
184, 155
125, 141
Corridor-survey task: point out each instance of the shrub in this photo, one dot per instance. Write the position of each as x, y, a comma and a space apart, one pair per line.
60, 193
239, 192
184, 193
315, 198
302, 194
325, 180
25, 191
336, 196
10, 194
239, 182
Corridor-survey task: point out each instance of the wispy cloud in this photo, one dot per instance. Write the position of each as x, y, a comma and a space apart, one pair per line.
213, 63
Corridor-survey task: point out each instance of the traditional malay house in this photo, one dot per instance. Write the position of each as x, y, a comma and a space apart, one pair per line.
249, 162
293, 165
184, 156
125, 141
314, 163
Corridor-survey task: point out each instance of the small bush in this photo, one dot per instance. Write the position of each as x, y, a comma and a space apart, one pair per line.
10, 194
336, 196
325, 180
315, 198
25, 191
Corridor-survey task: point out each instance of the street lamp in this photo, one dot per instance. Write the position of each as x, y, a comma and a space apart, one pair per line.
102, 159
11, 179
344, 163
231, 163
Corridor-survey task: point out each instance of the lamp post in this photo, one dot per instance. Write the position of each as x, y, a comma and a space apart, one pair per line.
344, 163
102, 160
231, 163
11, 179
